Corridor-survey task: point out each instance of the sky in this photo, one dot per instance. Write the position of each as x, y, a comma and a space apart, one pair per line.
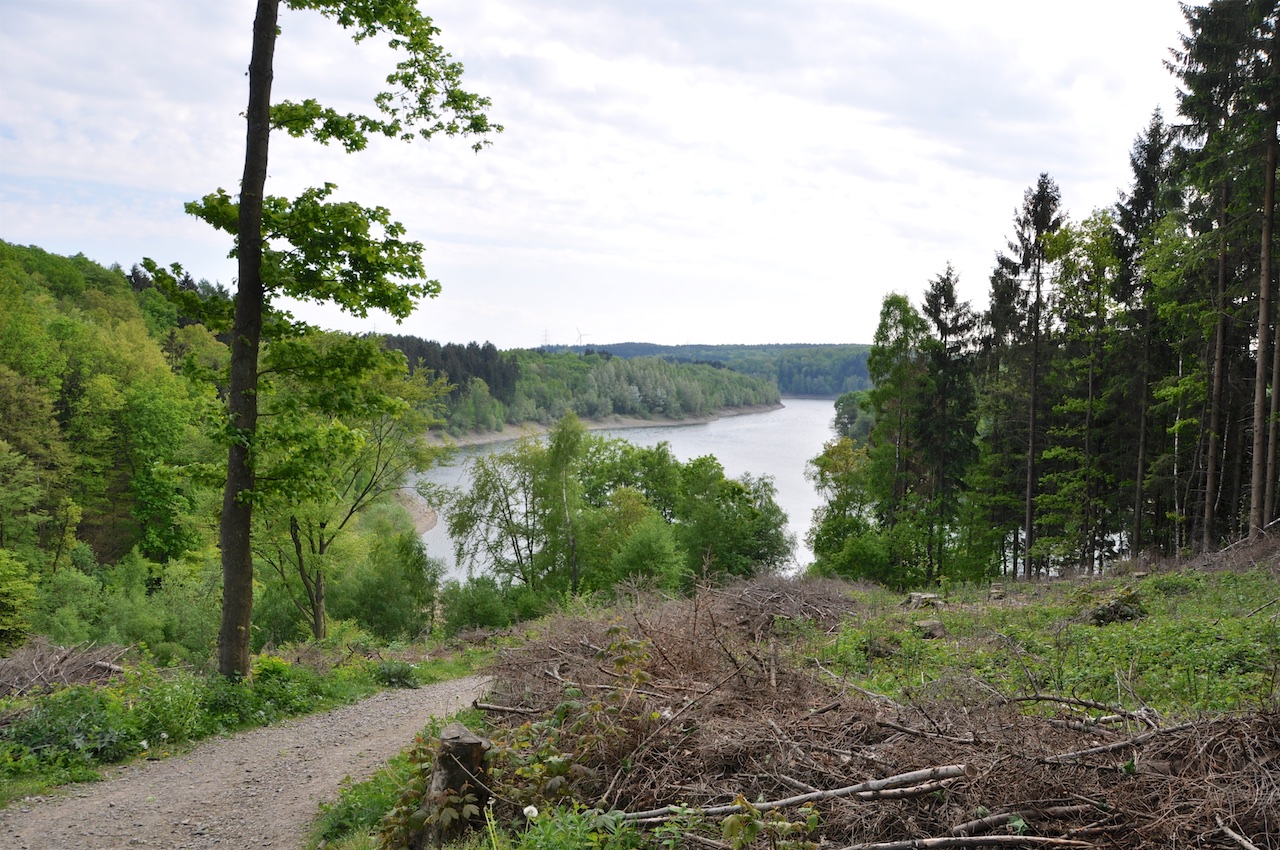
671, 171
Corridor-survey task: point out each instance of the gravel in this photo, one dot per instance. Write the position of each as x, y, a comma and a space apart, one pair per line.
260, 788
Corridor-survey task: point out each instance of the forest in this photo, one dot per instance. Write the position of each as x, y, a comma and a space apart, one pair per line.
492, 389
798, 369
112, 442
1117, 396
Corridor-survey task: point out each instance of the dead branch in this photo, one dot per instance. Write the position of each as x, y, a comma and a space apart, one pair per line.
508, 709
915, 777
1235, 836
971, 841
1117, 745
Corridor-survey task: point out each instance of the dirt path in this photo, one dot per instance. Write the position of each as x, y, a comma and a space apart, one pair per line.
255, 789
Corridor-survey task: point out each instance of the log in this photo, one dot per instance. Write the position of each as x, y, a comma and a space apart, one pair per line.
458, 791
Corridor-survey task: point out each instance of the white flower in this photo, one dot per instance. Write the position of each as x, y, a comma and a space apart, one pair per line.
143, 743
531, 812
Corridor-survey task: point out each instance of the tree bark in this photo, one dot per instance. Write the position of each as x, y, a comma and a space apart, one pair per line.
1211, 484
1268, 225
1258, 481
246, 334
458, 779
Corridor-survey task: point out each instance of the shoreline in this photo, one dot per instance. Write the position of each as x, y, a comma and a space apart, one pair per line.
425, 518
532, 429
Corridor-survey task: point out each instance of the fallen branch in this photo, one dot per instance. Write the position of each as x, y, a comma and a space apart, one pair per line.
1061, 758
914, 778
920, 733
1140, 716
509, 709
992, 821
1235, 836
971, 841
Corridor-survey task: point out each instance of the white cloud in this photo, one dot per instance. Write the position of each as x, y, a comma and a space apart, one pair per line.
671, 171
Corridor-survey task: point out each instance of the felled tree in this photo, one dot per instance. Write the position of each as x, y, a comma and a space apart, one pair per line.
314, 248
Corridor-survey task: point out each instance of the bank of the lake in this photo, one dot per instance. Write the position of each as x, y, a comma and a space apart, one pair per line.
773, 440
606, 423
425, 518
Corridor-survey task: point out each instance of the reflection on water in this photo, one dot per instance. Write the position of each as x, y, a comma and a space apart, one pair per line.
778, 443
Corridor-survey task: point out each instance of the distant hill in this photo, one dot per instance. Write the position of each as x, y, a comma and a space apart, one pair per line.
797, 368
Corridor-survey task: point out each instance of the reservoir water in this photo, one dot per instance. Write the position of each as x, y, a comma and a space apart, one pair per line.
777, 443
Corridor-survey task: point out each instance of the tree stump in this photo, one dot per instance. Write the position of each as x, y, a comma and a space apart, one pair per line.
458, 791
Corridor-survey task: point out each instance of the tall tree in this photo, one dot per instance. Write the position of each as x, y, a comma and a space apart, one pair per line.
1039, 216
949, 425
314, 248
1150, 198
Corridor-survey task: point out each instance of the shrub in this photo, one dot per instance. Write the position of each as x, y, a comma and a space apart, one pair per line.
17, 595
83, 722
395, 674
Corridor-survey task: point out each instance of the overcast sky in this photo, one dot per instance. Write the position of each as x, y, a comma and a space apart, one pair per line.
672, 171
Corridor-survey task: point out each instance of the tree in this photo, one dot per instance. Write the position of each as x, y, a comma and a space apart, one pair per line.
314, 248
347, 427
948, 424
1038, 217
1152, 197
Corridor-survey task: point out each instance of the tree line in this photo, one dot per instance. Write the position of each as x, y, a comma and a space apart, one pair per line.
796, 368
1118, 394
492, 389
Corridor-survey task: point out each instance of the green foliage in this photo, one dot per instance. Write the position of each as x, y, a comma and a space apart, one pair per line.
577, 826
17, 593
394, 673
78, 725
1196, 649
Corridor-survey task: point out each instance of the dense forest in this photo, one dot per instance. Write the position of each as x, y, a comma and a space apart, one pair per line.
113, 439
1117, 396
797, 369
492, 389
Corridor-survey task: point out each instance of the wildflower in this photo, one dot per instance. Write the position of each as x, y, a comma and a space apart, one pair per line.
531, 812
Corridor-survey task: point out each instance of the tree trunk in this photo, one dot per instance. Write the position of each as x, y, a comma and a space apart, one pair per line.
1257, 497
246, 334
1209, 540
1031, 428
1268, 228
458, 781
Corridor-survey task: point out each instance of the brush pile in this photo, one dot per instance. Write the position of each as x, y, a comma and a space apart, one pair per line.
39, 665
695, 712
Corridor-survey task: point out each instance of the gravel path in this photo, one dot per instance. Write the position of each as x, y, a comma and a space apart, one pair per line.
256, 789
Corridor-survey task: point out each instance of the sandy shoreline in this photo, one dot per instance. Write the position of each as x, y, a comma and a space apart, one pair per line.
425, 518
608, 423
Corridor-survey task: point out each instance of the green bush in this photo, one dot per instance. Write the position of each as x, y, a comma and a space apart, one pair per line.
83, 722
393, 673
17, 595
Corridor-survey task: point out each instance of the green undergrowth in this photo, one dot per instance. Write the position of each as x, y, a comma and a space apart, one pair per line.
1179, 643
71, 733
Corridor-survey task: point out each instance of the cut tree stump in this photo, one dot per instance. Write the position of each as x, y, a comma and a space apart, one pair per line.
458, 791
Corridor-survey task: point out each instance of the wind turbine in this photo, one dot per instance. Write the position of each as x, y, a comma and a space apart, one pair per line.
580, 336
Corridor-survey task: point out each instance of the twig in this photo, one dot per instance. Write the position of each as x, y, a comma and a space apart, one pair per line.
971, 841
915, 777
992, 821
509, 709
672, 719
898, 727
1235, 836
1118, 745
1088, 703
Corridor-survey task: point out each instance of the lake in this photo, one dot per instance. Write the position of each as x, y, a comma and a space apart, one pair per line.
777, 443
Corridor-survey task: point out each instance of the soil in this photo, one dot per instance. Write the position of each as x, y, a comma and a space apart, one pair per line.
260, 788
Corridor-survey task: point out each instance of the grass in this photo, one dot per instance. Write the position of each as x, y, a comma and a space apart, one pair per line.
1179, 643
1194, 643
